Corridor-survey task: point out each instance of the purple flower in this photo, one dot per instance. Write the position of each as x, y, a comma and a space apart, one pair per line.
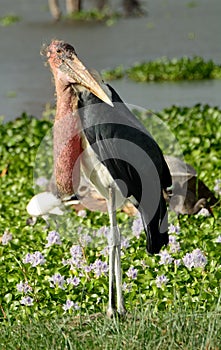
137, 227
203, 212
41, 181
88, 268
28, 258
53, 238
65, 262
100, 267
38, 259
172, 239
132, 273
173, 244
177, 262
103, 231
57, 280
195, 259
28, 301
200, 259
19, 287
161, 281
174, 229
105, 251
126, 287
70, 305
217, 187
76, 256
175, 248
124, 242
7, 237
188, 260
77, 259
218, 240
74, 281
165, 258
85, 239
23, 287
75, 263
34, 259
76, 251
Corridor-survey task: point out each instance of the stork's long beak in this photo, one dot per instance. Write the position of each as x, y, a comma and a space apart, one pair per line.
78, 73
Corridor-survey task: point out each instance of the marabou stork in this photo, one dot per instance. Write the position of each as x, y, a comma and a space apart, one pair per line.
95, 133
190, 194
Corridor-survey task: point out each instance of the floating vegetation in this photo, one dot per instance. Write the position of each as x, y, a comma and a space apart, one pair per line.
164, 69
9, 19
105, 16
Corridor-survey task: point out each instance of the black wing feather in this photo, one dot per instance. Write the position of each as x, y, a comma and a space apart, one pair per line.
131, 155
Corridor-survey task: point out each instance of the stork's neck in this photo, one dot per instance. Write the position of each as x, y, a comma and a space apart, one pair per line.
66, 100
66, 145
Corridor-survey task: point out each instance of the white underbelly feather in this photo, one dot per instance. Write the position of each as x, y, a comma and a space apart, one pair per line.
98, 174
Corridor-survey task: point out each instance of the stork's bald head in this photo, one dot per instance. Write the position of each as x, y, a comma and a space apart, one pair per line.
66, 66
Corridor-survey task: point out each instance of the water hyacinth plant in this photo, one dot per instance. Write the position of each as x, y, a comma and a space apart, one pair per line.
161, 281
51, 272
9, 20
7, 237
24, 287
195, 259
34, 259
70, 305
27, 301
164, 69
184, 68
53, 238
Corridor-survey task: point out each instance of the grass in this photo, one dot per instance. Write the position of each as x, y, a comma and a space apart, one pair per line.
183, 313
139, 330
164, 69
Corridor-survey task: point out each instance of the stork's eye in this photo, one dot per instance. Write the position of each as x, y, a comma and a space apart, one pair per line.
58, 50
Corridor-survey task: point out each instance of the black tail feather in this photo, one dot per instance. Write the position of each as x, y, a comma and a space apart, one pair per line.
156, 229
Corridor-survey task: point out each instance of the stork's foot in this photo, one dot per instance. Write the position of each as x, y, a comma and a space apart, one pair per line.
121, 311
111, 312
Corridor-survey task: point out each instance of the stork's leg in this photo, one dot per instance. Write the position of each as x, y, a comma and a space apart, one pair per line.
112, 253
118, 275
114, 242
54, 9
111, 304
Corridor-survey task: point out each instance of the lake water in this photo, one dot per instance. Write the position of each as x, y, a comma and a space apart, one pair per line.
172, 28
